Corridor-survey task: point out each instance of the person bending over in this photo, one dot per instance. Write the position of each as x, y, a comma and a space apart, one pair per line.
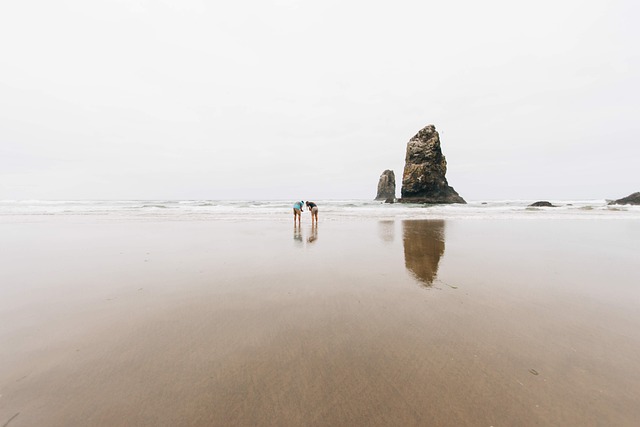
313, 208
297, 209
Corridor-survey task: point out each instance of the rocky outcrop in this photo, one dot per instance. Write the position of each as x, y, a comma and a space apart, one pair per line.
542, 203
631, 199
423, 180
387, 187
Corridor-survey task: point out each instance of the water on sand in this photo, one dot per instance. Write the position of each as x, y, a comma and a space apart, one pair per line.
449, 322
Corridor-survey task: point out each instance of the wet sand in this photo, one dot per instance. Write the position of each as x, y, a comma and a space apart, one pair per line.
448, 323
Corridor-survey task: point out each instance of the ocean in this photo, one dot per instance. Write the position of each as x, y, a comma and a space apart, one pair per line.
330, 210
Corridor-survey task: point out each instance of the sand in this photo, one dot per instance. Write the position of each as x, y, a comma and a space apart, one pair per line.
206, 323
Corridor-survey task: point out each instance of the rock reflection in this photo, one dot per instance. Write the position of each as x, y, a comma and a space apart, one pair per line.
423, 247
387, 230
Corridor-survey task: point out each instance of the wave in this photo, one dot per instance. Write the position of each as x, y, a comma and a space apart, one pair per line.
154, 206
329, 209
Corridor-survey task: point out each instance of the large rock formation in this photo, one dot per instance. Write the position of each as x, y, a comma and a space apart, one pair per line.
425, 168
631, 199
387, 186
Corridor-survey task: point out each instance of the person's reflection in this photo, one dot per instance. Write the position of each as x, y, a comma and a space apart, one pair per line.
314, 233
297, 235
386, 230
423, 247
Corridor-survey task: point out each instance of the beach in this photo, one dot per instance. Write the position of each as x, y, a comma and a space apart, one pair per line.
112, 321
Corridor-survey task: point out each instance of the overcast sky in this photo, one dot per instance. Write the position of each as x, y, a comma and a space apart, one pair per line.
271, 99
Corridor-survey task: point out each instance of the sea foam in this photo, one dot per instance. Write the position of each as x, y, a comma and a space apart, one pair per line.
330, 210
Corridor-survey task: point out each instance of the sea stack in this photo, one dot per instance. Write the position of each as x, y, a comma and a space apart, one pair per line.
423, 180
387, 186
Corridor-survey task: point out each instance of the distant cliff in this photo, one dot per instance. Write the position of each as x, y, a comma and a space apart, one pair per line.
423, 180
387, 186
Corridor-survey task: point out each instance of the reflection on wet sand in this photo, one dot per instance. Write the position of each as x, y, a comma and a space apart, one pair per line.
314, 233
299, 237
297, 234
423, 247
386, 230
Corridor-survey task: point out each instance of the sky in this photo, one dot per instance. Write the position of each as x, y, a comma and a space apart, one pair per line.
288, 99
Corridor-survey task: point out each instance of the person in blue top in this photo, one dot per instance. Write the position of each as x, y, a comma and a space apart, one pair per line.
297, 211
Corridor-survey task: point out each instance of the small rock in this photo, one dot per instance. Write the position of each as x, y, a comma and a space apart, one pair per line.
543, 203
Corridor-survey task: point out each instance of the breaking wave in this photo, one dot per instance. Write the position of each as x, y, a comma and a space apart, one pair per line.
330, 210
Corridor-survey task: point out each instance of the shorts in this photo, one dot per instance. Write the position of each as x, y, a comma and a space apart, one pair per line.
314, 210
